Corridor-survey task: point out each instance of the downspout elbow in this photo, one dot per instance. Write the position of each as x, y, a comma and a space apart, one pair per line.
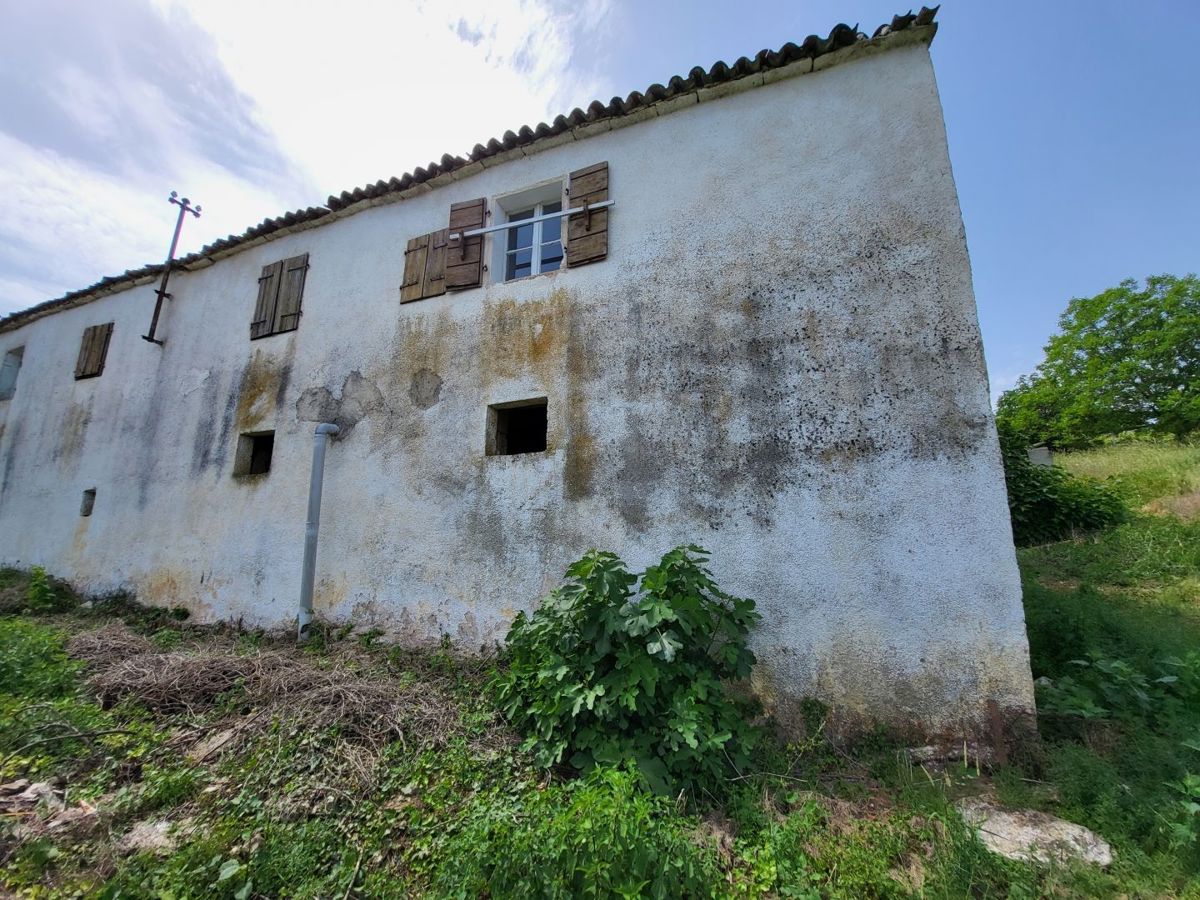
328, 428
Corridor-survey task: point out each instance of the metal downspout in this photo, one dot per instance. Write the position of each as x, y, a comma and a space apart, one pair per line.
308, 574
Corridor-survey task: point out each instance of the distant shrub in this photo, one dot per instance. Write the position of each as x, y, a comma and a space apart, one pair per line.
1046, 503
601, 674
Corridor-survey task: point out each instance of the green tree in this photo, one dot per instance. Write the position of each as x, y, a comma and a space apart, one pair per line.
1128, 358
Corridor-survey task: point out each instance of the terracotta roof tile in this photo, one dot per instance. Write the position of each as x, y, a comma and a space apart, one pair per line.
719, 72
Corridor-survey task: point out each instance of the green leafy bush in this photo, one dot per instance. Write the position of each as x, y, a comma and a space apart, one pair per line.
1185, 829
40, 595
1048, 504
601, 674
1105, 687
34, 662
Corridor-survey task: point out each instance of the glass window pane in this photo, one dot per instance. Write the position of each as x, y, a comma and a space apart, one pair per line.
551, 227
521, 236
552, 255
551, 207
518, 264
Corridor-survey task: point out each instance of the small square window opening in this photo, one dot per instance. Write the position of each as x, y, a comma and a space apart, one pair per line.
89, 500
254, 453
516, 428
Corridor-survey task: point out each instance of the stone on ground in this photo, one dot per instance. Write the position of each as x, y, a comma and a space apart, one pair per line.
1032, 836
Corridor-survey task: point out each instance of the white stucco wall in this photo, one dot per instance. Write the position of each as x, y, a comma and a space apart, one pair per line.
779, 360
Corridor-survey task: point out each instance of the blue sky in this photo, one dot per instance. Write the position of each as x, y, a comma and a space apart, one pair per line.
1074, 127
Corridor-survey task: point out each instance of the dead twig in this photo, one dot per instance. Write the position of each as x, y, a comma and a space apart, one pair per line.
353, 877
81, 735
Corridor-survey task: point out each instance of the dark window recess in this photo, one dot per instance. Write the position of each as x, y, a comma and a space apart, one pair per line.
8, 372
517, 427
89, 500
254, 453
93, 351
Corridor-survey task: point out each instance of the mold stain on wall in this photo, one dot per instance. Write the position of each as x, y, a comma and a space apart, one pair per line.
14, 433
211, 443
72, 432
261, 390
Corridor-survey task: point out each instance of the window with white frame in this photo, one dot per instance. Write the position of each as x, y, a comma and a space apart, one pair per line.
534, 243
536, 246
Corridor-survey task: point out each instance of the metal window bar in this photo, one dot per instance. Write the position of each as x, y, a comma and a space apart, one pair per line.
459, 235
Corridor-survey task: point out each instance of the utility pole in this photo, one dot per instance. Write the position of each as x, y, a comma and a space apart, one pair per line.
184, 207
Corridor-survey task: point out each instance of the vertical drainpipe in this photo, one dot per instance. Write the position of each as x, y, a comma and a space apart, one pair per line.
307, 575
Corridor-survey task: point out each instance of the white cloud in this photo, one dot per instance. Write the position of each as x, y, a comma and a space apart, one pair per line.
260, 108
360, 90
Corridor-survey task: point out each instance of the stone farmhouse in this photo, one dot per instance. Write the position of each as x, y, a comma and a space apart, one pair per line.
733, 310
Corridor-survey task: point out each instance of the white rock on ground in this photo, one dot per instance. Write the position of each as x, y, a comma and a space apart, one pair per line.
1032, 836
149, 836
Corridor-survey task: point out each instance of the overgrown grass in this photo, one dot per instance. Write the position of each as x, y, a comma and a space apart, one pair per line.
1142, 470
1114, 630
309, 812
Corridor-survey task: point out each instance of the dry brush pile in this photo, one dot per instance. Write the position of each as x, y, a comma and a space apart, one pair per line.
219, 697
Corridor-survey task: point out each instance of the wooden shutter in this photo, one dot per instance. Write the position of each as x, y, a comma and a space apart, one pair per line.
587, 233
425, 267
85, 348
464, 256
415, 255
291, 289
93, 350
268, 293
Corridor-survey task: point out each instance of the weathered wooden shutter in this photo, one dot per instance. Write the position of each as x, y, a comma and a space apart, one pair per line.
93, 350
464, 256
85, 349
415, 256
425, 267
268, 293
587, 233
291, 290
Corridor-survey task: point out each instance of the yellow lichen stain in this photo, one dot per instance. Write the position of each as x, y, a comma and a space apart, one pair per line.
260, 384
580, 464
425, 341
330, 592
527, 337
77, 554
167, 588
